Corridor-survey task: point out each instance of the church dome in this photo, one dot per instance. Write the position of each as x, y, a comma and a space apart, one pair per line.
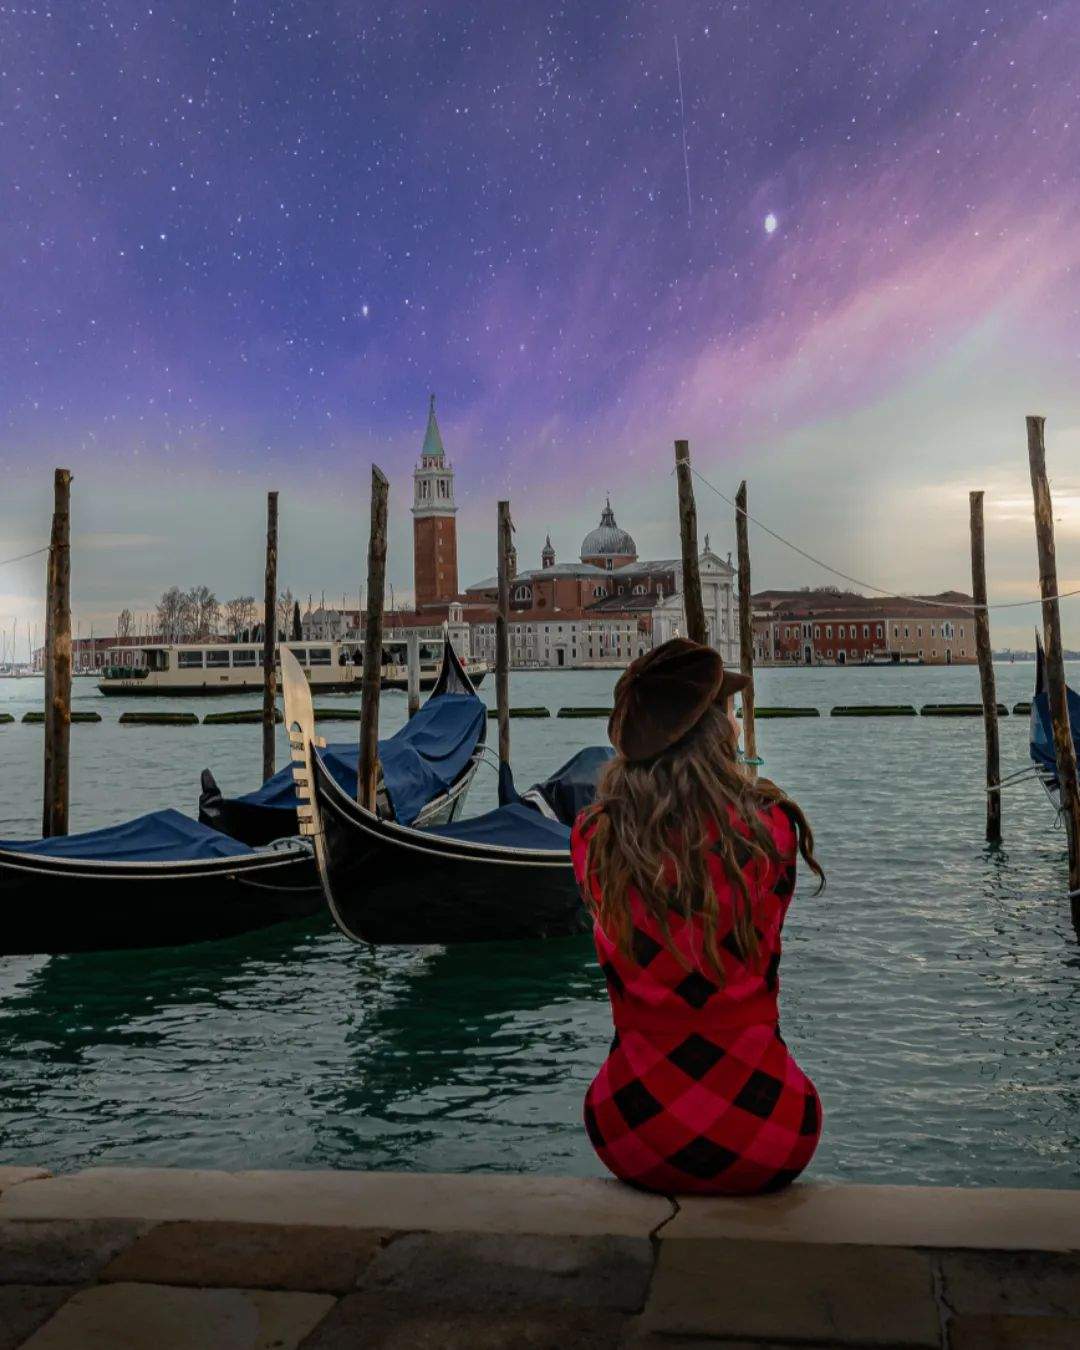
607, 540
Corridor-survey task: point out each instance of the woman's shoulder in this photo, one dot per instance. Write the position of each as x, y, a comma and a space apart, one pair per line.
774, 815
781, 826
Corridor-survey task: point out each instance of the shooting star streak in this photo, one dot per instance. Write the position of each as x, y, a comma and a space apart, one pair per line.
682, 119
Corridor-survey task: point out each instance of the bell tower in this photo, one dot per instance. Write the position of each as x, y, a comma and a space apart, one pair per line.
435, 575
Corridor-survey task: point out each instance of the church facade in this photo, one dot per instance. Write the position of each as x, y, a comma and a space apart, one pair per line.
607, 607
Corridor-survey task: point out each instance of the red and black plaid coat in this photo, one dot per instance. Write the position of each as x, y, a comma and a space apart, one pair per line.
699, 1094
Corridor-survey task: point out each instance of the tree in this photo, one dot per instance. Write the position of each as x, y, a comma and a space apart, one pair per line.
240, 615
125, 621
170, 612
284, 610
297, 626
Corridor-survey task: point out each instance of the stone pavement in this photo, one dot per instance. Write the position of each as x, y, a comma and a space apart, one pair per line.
161, 1259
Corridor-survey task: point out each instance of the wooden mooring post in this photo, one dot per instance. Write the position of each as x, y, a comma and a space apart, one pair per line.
54, 818
695, 612
1064, 749
412, 650
502, 632
371, 680
983, 651
269, 636
746, 630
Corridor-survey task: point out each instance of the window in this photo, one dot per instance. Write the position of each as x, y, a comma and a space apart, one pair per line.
907, 632
300, 653
840, 632
866, 630
829, 653
828, 633
320, 656
598, 592
217, 657
961, 634
817, 631
189, 660
948, 631
918, 632
521, 593
933, 631
880, 631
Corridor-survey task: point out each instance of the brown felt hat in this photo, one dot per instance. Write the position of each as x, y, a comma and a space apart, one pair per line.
665, 693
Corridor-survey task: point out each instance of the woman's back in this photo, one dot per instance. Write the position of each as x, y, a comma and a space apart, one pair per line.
688, 866
699, 1092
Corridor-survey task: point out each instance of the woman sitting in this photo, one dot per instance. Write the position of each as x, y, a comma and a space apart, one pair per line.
688, 866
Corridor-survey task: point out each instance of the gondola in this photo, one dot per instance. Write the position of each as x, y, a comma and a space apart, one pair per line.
1041, 735
160, 880
501, 876
426, 768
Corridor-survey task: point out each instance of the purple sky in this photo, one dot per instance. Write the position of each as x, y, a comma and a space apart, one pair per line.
240, 243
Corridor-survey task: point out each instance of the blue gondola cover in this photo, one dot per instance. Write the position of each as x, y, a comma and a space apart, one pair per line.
162, 836
1042, 731
512, 826
419, 762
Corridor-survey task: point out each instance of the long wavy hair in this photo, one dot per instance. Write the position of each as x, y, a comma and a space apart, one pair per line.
654, 822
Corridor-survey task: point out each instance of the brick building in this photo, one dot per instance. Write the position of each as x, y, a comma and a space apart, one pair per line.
845, 628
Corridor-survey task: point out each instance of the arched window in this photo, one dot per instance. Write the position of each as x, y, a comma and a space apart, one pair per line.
521, 593
598, 592
639, 589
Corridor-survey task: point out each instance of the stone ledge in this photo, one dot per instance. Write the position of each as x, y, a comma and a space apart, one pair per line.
61, 1252
310, 1258
144, 1316
492, 1272
793, 1291
995, 1219
387, 1201
24, 1307
1014, 1333
376, 1323
15, 1176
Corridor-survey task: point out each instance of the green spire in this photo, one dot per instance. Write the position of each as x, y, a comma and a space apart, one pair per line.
433, 445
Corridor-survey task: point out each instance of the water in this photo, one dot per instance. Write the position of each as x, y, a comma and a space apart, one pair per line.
933, 991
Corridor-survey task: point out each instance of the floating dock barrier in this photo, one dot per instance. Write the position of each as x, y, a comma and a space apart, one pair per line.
522, 712
337, 714
874, 710
1021, 709
584, 712
39, 717
239, 717
959, 710
784, 712
158, 719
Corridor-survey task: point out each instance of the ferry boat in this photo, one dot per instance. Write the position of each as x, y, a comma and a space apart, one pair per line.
197, 668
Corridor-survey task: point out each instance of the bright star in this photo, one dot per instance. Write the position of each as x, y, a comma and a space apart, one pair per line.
770, 223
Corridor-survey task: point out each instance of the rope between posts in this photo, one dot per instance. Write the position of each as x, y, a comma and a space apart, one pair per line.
23, 556
869, 586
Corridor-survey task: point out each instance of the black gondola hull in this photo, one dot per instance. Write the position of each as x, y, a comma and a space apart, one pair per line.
386, 884
55, 907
